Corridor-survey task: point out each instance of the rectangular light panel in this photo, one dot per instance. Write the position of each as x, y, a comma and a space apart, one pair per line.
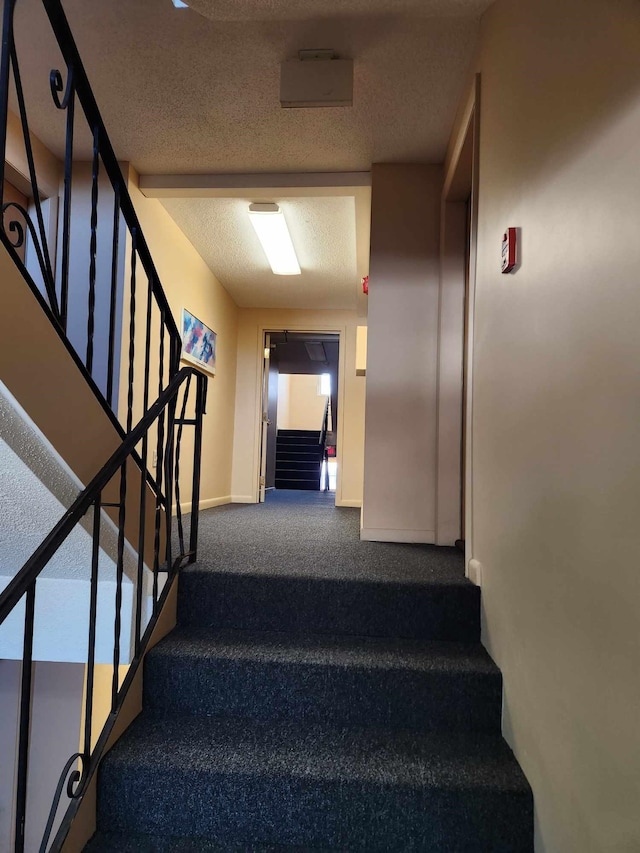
271, 227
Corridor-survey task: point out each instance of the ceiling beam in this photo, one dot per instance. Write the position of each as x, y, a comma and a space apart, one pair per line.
237, 186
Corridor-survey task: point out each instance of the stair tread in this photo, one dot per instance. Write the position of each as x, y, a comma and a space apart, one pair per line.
220, 746
115, 842
327, 650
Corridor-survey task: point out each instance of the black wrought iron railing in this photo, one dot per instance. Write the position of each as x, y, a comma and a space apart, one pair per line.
94, 277
94, 333
164, 422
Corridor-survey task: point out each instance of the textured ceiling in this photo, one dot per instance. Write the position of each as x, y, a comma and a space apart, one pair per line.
305, 10
182, 92
322, 230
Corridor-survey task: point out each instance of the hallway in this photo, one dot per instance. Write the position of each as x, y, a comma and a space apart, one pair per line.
322, 539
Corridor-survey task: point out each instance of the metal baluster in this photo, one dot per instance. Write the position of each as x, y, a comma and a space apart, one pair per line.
93, 246
132, 331
25, 718
93, 609
114, 293
5, 66
201, 402
143, 482
168, 478
159, 469
67, 103
43, 254
119, 576
181, 419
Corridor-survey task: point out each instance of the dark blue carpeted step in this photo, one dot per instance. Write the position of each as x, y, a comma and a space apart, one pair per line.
298, 455
114, 842
233, 781
299, 433
294, 465
312, 484
348, 681
297, 440
309, 605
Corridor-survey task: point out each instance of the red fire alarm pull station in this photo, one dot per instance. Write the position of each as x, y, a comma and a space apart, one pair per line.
365, 284
509, 244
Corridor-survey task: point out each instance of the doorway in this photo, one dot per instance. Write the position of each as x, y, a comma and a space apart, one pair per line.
454, 519
299, 412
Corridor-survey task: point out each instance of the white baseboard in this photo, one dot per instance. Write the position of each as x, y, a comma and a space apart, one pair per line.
242, 499
474, 572
381, 534
352, 503
208, 503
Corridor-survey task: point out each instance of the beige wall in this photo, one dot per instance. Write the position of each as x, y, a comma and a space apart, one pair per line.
252, 324
188, 282
302, 407
400, 448
556, 407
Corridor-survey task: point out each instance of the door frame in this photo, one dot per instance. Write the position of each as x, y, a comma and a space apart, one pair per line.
455, 359
329, 328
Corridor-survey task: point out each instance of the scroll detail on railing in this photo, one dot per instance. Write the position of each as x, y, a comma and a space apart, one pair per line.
118, 289
20, 226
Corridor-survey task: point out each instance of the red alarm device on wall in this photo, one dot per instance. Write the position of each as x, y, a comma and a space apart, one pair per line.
509, 245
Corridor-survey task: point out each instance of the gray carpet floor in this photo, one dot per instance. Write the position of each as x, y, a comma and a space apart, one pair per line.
319, 693
304, 534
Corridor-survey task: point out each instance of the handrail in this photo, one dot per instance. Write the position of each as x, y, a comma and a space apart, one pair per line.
23, 585
325, 424
17, 587
22, 225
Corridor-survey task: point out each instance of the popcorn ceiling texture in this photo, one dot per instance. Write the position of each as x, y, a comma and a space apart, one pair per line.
181, 93
323, 232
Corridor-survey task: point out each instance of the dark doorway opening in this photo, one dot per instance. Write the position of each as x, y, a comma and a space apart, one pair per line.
300, 411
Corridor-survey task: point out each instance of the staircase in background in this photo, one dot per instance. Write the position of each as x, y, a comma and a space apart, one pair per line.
292, 711
298, 459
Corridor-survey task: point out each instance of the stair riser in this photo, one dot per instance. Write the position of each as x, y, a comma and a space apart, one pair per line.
287, 465
301, 605
299, 485
298, 456
396, 699
287, 441
349, 816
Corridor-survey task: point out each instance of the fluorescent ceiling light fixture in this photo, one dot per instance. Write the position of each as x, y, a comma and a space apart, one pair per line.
271, 227
180, 5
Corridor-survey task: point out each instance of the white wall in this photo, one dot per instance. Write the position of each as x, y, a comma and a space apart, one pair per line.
400, 446
302, 407
556, 479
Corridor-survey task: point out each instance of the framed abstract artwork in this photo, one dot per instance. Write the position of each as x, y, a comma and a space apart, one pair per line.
198, 343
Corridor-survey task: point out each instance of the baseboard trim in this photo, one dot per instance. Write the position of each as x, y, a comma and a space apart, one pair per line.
242, 499
382, 534
350, 503
207, 503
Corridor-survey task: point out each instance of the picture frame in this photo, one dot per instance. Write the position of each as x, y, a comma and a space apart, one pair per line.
199, 343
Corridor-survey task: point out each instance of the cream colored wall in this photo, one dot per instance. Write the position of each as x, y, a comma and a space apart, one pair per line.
402, 349
188, 282
48, 167
305, 407
556, 407
252, 324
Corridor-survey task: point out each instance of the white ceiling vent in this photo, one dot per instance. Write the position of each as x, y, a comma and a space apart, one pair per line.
316, 79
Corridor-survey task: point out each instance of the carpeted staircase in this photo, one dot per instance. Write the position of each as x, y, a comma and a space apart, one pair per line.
298, 459
319, 693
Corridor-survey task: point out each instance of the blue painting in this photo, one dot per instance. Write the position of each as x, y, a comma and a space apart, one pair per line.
198, 342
